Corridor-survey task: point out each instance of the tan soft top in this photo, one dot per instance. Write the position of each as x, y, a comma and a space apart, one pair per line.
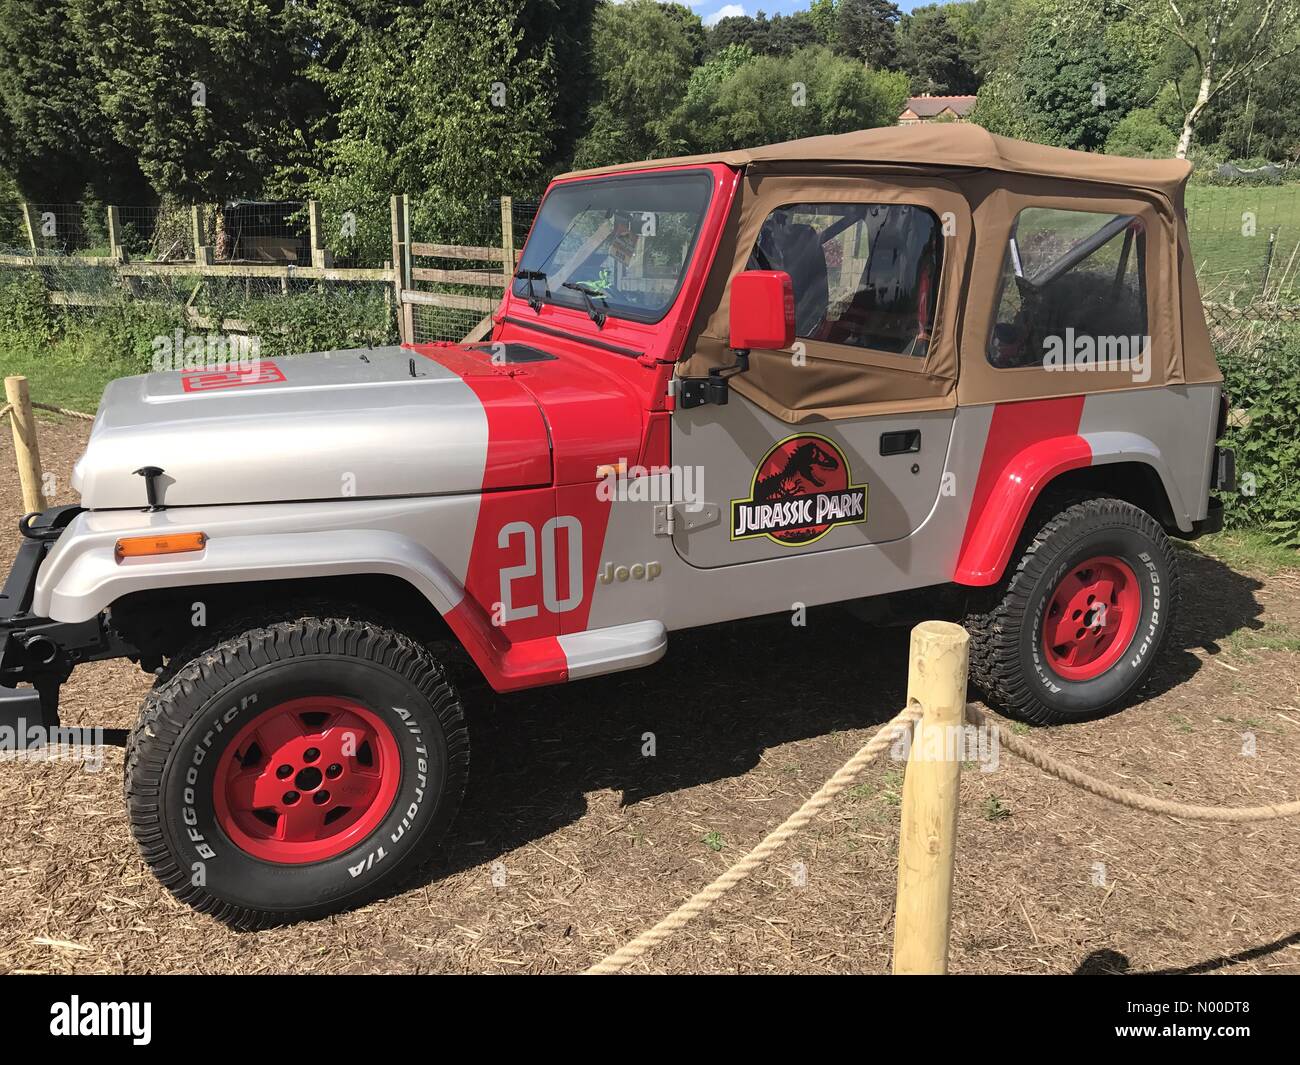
947, 144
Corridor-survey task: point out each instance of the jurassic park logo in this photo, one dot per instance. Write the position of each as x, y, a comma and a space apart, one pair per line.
802, 490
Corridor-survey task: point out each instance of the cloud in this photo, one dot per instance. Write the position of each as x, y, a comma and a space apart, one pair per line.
726, 11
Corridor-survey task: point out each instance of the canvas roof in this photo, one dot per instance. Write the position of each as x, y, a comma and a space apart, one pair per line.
948, 144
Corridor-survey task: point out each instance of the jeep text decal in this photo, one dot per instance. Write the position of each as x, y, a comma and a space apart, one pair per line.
802, 489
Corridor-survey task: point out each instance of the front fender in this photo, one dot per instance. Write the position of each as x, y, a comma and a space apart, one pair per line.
1000, 509
82, 576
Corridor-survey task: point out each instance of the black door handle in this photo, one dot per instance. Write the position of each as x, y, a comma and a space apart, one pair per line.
900, 442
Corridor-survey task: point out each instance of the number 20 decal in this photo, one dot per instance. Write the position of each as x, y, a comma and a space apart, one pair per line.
550, 592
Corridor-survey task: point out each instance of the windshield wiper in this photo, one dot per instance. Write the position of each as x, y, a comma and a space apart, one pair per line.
534, 301
593, 312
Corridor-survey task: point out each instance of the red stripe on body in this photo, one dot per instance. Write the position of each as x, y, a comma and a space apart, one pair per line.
512, 534
1028, 444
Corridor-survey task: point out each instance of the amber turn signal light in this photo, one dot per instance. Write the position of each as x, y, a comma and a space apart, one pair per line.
170, 544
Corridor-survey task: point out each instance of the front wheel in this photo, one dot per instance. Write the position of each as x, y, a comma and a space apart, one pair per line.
296, 769
1077, 625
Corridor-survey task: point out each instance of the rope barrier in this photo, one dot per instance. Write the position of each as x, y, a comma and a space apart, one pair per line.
1123, 796
701, 901
852, 769
59, 410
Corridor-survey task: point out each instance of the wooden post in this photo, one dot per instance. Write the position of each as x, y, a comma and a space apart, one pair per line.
26, 450
399, 260
29, 221
115, 235
508, 240
408, 309
321, 257
202, 251
927, 840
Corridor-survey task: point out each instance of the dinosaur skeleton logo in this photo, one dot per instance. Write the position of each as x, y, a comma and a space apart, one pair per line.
802, 489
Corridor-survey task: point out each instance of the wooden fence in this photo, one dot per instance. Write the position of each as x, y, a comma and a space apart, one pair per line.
399, 273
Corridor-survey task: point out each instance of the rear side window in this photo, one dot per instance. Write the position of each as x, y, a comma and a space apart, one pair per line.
865, 274
1073, 291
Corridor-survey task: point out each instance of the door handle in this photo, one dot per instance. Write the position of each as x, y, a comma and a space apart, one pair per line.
900, 442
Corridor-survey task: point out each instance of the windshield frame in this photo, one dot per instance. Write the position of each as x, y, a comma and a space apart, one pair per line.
547, 295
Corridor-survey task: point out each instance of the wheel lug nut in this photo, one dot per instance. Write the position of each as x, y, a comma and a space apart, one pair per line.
284, 771
310, 754
321, 798
334, 770
290, 797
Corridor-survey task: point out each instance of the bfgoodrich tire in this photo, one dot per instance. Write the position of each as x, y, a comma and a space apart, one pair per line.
295, 769
1084, 612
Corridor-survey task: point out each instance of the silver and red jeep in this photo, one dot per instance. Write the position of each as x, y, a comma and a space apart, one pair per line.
718, 387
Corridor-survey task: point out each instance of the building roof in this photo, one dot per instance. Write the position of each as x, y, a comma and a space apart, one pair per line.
929, 106
944, 144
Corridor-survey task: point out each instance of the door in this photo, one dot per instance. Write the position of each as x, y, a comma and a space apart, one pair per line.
868, 262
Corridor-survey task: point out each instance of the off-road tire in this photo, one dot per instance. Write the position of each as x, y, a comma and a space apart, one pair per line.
1009, 662
197, 710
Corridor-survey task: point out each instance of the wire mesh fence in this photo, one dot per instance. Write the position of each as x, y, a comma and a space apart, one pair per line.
1246, 242
464, 269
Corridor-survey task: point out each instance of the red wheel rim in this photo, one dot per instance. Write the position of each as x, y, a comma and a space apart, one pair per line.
1091, 618
307, 780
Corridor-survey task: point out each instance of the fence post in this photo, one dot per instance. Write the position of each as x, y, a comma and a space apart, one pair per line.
202, 251
927, 841
26, 450
399, 262
29, 221
321, 257
115, 248
408, 309
508, 239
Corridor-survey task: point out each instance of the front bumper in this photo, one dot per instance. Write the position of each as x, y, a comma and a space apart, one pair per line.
35, 650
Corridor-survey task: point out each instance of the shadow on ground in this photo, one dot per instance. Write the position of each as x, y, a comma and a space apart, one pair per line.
722, 697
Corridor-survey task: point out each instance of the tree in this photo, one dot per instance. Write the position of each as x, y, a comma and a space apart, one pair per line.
764, 99
1141, 134
1078, 82
934, 54
1002, 107
1229, 42
1259, 118
55, 140
451, 102
642, 56
867, 29
209, 98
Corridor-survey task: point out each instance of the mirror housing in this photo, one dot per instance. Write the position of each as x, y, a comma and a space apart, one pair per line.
762, 310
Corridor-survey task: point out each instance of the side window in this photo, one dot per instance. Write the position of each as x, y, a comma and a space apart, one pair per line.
865, 274
1071, 280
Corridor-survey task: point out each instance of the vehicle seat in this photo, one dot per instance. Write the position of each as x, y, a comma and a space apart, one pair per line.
883, 312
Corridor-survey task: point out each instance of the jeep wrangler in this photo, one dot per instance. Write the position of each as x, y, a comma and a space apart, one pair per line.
718, 386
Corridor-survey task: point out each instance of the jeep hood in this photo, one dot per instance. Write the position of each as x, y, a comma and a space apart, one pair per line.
362, 423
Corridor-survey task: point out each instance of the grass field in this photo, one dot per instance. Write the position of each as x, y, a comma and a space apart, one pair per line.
66, 374
1230, 228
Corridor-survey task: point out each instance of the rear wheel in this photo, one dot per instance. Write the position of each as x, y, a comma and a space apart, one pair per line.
1076, 626
295, 769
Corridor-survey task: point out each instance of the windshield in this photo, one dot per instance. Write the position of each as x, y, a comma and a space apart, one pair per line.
624, 240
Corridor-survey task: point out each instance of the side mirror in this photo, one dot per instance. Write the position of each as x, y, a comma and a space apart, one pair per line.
762, 310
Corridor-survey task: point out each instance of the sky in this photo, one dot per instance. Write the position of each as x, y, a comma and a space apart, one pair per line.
713, 10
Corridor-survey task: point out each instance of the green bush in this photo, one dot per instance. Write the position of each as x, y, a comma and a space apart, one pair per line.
25, 315
1261, 369
1142, 135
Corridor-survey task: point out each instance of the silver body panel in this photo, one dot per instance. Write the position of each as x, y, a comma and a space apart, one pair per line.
340, 424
